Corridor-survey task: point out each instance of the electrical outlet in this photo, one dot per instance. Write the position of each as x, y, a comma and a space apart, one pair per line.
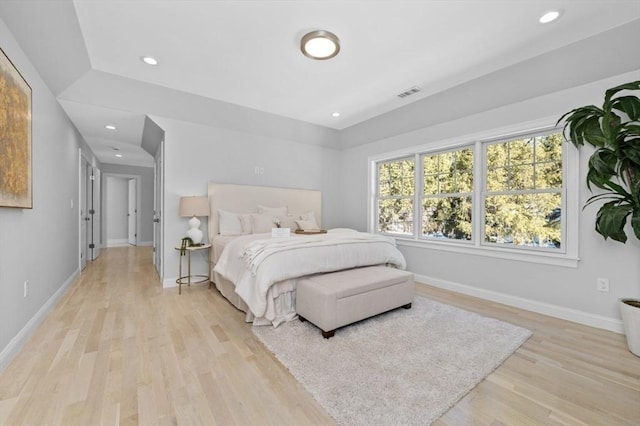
603, 284
26, 288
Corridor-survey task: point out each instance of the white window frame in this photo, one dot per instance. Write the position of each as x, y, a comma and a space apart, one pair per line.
484, 191
420, 170
566, 256
377, 197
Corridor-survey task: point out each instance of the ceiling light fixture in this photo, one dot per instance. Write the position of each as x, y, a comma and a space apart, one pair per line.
116, 148
149, 60
110, 127
320, 45
119, 155
335, 114
549, 16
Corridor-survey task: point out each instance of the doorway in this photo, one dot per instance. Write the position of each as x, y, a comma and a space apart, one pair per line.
122, 201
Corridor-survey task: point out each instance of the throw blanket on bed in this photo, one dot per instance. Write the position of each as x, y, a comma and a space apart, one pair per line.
254, 262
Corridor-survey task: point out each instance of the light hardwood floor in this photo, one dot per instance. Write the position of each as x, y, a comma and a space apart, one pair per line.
118, 349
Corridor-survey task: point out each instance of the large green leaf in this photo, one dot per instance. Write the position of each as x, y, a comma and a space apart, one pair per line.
630, 105
604, 162
611, 219
635, 222
592, 132
634, 85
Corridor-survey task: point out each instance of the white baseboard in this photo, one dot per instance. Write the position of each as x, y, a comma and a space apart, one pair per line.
169, 282
581, 317
23, 335
117, 242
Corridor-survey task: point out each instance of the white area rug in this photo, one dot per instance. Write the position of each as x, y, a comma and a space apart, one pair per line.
405, 367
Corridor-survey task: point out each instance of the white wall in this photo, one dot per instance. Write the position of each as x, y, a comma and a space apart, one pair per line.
564, 287
197, 154
117, 203
41, 244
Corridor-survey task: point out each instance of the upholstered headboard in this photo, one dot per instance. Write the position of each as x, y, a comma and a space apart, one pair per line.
246, 198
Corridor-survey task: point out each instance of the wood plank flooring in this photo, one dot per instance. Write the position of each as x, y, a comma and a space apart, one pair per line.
120, 350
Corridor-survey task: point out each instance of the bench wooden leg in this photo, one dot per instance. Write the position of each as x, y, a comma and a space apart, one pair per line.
407, 306
328, 334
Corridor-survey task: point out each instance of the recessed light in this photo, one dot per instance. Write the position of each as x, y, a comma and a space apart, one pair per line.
549, 16
149, 60
116, 148
110, 127
119, 155
335, 114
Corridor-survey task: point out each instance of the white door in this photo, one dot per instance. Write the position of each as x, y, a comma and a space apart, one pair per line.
84, 218
157, 210
96, 182
132, 213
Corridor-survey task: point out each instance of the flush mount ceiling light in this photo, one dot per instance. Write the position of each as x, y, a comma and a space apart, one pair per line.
320, 45
110, 127
119, 155
149, 60
549, 16
335, 114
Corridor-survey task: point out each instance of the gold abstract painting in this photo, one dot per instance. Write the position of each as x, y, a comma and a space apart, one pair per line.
15, 137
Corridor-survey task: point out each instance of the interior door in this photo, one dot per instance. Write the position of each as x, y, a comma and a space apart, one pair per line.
95, 213
82, 204
157, 210
132, 213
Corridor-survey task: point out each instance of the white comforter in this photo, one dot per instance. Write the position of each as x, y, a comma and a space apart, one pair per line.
255, 262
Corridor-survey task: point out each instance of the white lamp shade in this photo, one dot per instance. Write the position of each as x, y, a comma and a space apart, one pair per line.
194, 206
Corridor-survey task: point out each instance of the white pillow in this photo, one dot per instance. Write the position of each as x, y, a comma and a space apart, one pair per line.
308, 225
288, 221
274, 211
229, 223
308, 216
262, 223
247, 224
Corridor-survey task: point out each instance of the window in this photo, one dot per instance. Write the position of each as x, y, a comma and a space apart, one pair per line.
490, 197
448, 190
522, 205
396, 187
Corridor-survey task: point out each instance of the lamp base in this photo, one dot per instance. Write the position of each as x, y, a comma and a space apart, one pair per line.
194, 231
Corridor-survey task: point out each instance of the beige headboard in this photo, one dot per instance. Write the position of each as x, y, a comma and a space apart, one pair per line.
245, 199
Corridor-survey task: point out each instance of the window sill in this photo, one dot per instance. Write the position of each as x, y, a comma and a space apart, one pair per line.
555, 259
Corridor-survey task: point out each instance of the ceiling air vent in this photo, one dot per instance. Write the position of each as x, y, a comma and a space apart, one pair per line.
409, 92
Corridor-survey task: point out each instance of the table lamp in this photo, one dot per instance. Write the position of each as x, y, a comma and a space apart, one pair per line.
194, 207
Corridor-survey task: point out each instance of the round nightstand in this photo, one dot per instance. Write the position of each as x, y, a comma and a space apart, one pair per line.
189, 279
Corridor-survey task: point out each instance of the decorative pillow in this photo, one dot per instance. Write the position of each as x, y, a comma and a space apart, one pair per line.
274, 211
247, 223
262, 223
229, 223
308, 225
288, 221
308, 216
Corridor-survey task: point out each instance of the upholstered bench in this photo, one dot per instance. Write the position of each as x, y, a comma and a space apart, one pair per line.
333, 300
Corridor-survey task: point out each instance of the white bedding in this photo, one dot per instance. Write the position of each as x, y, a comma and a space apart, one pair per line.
254, 263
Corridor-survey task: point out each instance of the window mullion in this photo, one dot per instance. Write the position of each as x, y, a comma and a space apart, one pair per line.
479, 193
418, 192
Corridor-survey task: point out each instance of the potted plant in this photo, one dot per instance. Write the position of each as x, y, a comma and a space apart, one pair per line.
614, 168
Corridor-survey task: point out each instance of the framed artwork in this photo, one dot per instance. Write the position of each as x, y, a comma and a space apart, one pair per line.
16, 181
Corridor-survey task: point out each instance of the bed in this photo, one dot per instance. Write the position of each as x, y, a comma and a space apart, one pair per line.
258, 273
